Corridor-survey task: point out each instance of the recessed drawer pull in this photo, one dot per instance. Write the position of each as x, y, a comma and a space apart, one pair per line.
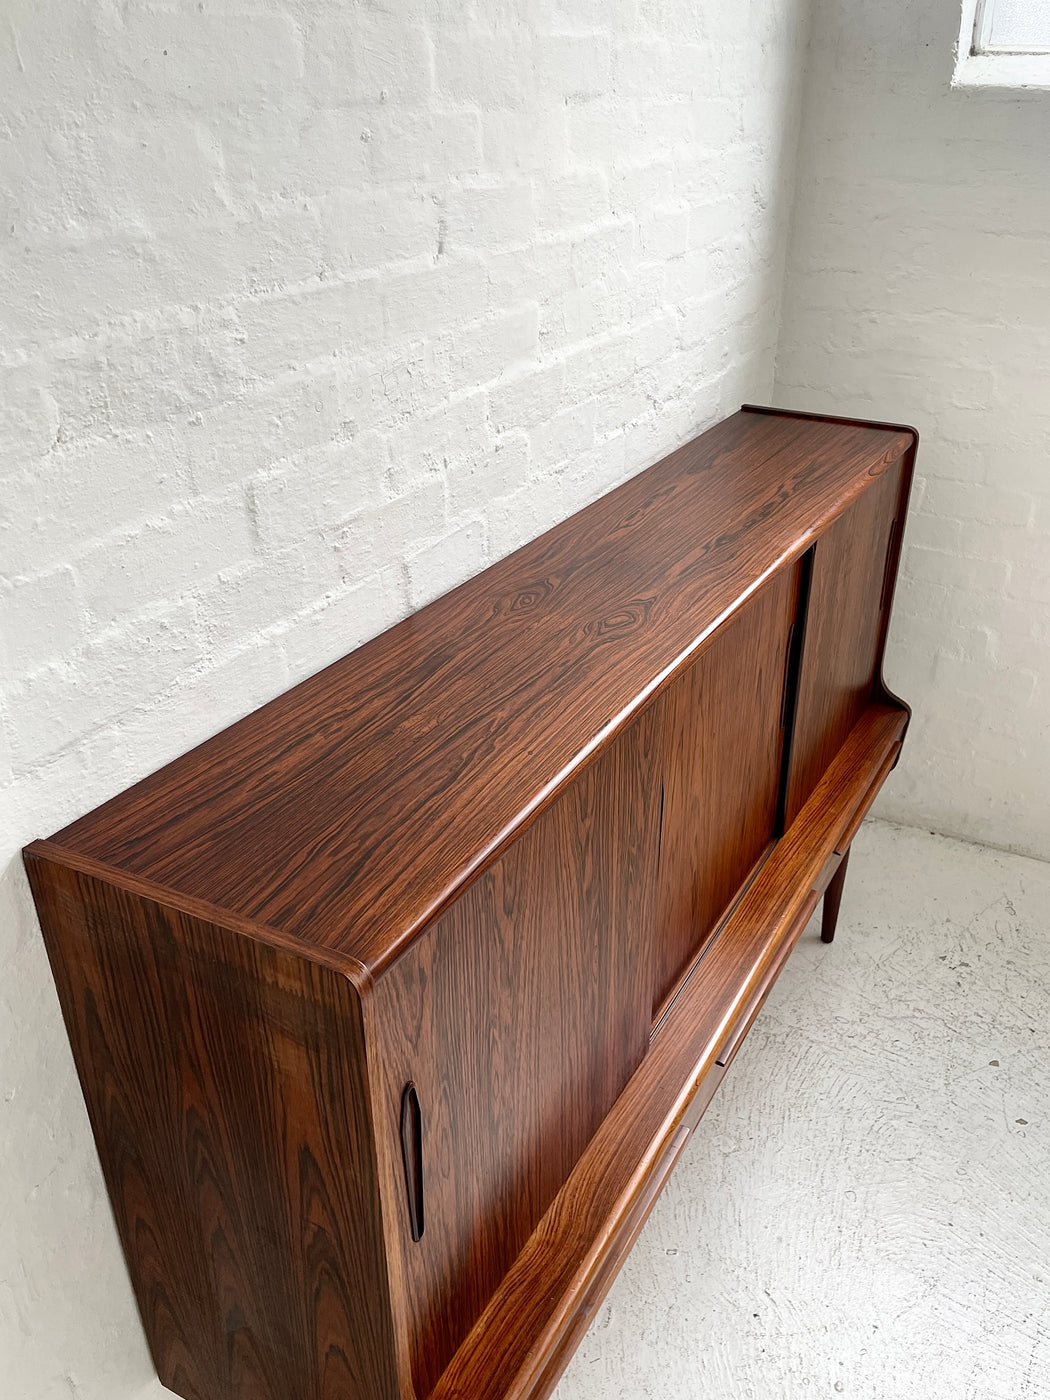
412, 1156
786, 682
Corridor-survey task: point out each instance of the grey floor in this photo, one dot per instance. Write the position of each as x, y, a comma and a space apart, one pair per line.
865, 1208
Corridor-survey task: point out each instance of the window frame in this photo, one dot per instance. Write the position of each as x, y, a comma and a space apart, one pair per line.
995, 68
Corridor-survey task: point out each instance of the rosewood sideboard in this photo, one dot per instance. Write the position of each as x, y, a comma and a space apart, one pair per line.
395, 1003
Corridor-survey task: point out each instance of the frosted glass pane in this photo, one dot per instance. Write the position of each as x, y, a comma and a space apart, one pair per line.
1017, 24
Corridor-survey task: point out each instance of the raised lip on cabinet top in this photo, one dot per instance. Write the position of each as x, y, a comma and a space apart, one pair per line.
349, 811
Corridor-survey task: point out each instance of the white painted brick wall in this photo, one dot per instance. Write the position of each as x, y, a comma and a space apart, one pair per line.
310, 310
919, 289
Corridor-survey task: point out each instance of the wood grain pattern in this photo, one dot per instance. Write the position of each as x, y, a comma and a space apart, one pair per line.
351, 810
841, 655
519, 1016
225, 1085
516, 1349
721, 726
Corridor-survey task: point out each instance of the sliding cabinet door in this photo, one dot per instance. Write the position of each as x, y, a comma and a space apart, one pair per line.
721, 723
843, 626
517, 1018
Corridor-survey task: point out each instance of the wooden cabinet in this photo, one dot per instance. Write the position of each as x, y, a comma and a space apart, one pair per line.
395, 1003
721, 725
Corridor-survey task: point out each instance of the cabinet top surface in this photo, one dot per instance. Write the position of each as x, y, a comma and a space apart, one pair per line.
349, 810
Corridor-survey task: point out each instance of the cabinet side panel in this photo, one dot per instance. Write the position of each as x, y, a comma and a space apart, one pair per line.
519, 1016
842, 632
721, 727
225, 1084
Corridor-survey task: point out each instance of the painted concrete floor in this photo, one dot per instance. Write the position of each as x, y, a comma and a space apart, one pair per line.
865, 1208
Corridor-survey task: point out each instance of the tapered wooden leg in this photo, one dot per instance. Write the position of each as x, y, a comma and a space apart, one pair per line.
832, 899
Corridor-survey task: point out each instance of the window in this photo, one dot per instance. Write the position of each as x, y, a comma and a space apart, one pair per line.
1004, 43
1012, 26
